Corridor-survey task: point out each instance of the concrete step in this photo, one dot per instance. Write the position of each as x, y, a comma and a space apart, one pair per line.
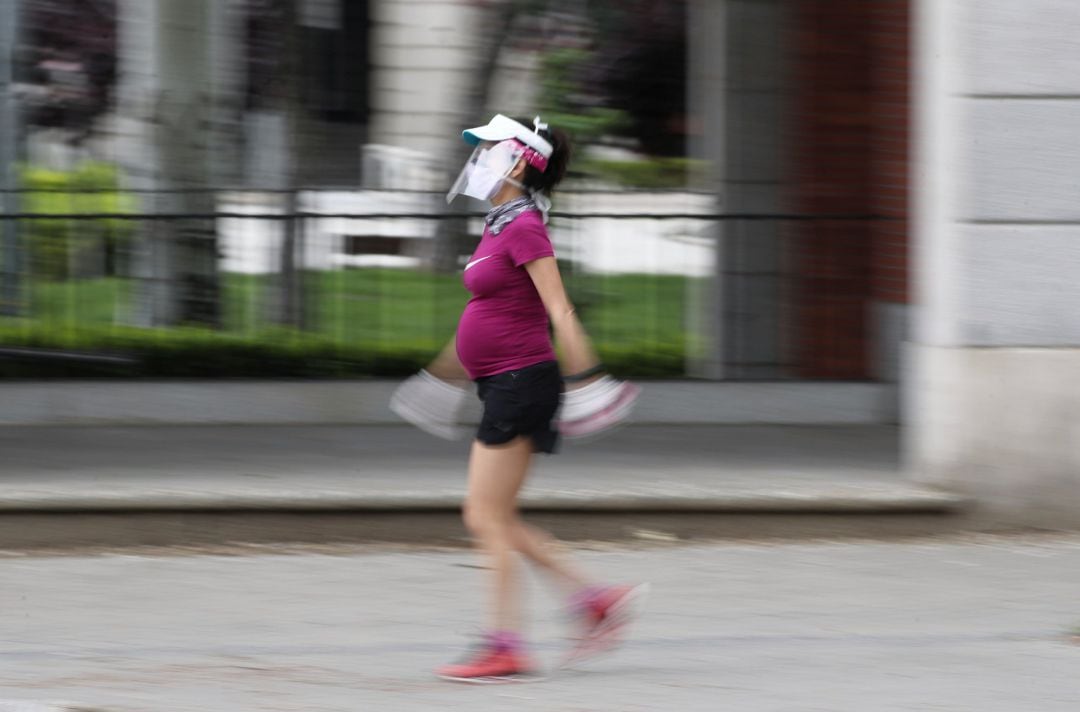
178, 516
120, 486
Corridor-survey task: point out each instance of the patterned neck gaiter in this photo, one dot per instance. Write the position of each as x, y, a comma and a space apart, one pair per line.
502, 215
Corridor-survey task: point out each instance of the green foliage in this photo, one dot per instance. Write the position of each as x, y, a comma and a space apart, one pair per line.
184, 353
624, 76
662, 173
277, 353
561, 98
58, 246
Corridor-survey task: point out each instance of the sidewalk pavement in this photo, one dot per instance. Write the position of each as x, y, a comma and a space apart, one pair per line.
971, 624
640, 468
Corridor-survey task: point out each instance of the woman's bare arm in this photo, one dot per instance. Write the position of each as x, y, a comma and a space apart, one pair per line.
447, 366
577, 350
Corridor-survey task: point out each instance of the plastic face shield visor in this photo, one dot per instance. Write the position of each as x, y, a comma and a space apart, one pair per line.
499, 145
486, 170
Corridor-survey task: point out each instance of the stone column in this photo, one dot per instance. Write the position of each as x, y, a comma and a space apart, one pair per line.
993, 393
754, 170
737, 93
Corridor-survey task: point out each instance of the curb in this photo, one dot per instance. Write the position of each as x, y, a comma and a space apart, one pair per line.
351, 402
842, 501
36, 706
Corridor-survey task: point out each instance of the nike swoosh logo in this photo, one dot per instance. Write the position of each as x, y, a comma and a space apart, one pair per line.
476, 262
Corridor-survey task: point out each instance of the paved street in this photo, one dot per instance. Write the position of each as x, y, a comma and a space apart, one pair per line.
976, 623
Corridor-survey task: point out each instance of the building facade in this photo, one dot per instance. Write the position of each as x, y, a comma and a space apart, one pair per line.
993, 398
895, 183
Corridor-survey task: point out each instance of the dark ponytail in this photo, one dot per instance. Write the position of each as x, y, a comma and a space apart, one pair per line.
556, 168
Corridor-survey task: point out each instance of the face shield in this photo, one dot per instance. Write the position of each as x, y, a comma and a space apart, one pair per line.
486, 170
499, 145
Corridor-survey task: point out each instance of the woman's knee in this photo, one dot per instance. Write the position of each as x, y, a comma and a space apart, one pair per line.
487, 522
471, 518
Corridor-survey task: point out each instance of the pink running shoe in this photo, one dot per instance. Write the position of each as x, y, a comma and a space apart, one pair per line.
603, 614
492, 662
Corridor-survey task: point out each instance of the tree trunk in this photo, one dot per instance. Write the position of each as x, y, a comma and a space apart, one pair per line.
452, 236
173, 100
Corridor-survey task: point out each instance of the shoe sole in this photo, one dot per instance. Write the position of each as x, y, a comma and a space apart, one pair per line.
494, 680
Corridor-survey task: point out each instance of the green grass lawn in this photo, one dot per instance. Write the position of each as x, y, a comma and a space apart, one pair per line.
632, 318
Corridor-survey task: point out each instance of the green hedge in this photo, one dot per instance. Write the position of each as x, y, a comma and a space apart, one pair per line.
361, 323
278, 353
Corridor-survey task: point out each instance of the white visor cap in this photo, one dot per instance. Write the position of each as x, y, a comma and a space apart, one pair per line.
501, 128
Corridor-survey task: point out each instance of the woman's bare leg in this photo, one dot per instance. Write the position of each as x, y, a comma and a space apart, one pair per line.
542, 549
496, 473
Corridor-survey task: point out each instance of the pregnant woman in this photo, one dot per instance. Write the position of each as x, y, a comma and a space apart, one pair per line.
503, 344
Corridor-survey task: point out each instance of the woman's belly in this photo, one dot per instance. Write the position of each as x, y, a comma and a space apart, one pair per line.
492, 340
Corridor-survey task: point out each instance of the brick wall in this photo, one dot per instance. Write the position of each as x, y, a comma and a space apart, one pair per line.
850, 125
890, 27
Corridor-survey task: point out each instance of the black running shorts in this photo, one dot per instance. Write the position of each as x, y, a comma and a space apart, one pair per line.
521, 402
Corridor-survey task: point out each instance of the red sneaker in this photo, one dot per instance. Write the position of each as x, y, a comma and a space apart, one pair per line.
603, 615
489, 664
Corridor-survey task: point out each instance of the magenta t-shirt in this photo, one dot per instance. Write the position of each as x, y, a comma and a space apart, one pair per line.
504, 325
